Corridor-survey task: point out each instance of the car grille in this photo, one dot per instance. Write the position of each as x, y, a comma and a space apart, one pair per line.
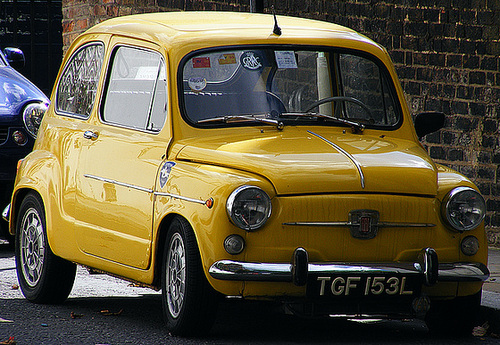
4, 132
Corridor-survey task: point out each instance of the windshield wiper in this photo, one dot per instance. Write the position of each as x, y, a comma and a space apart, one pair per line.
244, 118
357, 127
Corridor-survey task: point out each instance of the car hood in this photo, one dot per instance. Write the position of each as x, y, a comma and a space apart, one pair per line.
15, 92
302, 162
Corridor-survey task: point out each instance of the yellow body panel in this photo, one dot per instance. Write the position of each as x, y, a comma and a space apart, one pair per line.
110, 213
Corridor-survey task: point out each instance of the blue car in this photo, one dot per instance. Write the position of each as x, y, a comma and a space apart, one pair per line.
22, 106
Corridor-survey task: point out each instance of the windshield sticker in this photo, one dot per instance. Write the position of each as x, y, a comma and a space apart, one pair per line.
165, 172
197, 83
251, 60
201, 62
285, 59
227, 59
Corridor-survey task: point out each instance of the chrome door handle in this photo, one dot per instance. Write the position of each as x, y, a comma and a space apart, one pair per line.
90, 135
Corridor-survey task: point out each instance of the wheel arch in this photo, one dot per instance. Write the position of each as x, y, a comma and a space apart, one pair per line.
161, 235
17, 199
38, 173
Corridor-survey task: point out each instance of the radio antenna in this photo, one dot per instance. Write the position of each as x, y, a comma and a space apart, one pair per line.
276, 29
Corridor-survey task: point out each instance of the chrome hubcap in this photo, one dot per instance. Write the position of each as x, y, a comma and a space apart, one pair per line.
176, 275
32, 250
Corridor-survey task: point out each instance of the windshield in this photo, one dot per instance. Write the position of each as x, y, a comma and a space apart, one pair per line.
294, 86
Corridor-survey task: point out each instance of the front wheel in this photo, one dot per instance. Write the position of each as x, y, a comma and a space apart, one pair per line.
189, 302
43, 276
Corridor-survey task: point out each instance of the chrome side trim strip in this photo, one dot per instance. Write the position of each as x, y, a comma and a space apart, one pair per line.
405, 225
181, 197
118, 183
318, 224
348, 224
347, 154
142, 189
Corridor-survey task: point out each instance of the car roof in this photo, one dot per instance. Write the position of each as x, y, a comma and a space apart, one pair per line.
180, 28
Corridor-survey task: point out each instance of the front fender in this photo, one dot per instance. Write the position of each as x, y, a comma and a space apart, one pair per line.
40, 172
211, 225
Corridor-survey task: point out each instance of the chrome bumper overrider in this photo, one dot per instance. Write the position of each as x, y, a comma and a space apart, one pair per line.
427, 266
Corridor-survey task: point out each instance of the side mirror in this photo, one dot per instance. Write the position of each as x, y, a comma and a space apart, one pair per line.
15, 57
426, 123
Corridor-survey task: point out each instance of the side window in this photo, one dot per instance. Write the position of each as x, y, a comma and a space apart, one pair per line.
77, 87
136, 90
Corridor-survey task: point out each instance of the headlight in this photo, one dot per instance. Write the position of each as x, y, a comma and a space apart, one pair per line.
32, 117
464, 208
248, 207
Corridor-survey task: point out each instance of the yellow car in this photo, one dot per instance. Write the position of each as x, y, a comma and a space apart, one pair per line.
251, 156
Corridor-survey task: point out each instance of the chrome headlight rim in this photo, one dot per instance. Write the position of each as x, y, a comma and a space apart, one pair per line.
452, 197
230, 207
32, 117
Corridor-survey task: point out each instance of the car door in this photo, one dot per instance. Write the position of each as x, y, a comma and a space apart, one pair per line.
121, 153
74, 100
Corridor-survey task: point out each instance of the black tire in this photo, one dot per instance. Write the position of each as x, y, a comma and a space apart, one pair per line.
456, 317
189, 302
43, 276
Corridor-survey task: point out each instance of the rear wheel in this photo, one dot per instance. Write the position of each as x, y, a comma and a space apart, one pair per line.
189, 302
43, 276
456, 317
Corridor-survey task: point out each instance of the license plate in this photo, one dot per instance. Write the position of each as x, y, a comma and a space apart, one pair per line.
362, 286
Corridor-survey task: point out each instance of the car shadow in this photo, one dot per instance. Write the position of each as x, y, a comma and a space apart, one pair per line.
6, 249
139, 320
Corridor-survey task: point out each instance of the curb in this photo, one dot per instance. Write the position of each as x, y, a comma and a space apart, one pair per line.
492, 316
490, 311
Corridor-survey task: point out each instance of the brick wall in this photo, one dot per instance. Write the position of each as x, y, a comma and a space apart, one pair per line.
447, 58
446, 54
81, 14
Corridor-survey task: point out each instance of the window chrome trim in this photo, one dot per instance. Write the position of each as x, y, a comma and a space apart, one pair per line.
67, 63
347, 154
108, 71
336, 49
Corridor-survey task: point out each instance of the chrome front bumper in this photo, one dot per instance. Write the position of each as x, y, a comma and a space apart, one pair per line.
297, 271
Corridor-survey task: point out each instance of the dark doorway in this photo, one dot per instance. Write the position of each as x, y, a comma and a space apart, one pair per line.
34, 26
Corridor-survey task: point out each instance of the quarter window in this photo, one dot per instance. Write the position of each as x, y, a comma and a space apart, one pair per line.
136, 90
77, 87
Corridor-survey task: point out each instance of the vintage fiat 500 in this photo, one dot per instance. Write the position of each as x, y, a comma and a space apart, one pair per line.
245, 155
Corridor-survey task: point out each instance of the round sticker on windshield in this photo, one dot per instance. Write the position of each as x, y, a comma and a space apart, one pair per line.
197, 83
251, 60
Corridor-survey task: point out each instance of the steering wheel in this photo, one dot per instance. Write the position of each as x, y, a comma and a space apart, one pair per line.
275, 102
340, 99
